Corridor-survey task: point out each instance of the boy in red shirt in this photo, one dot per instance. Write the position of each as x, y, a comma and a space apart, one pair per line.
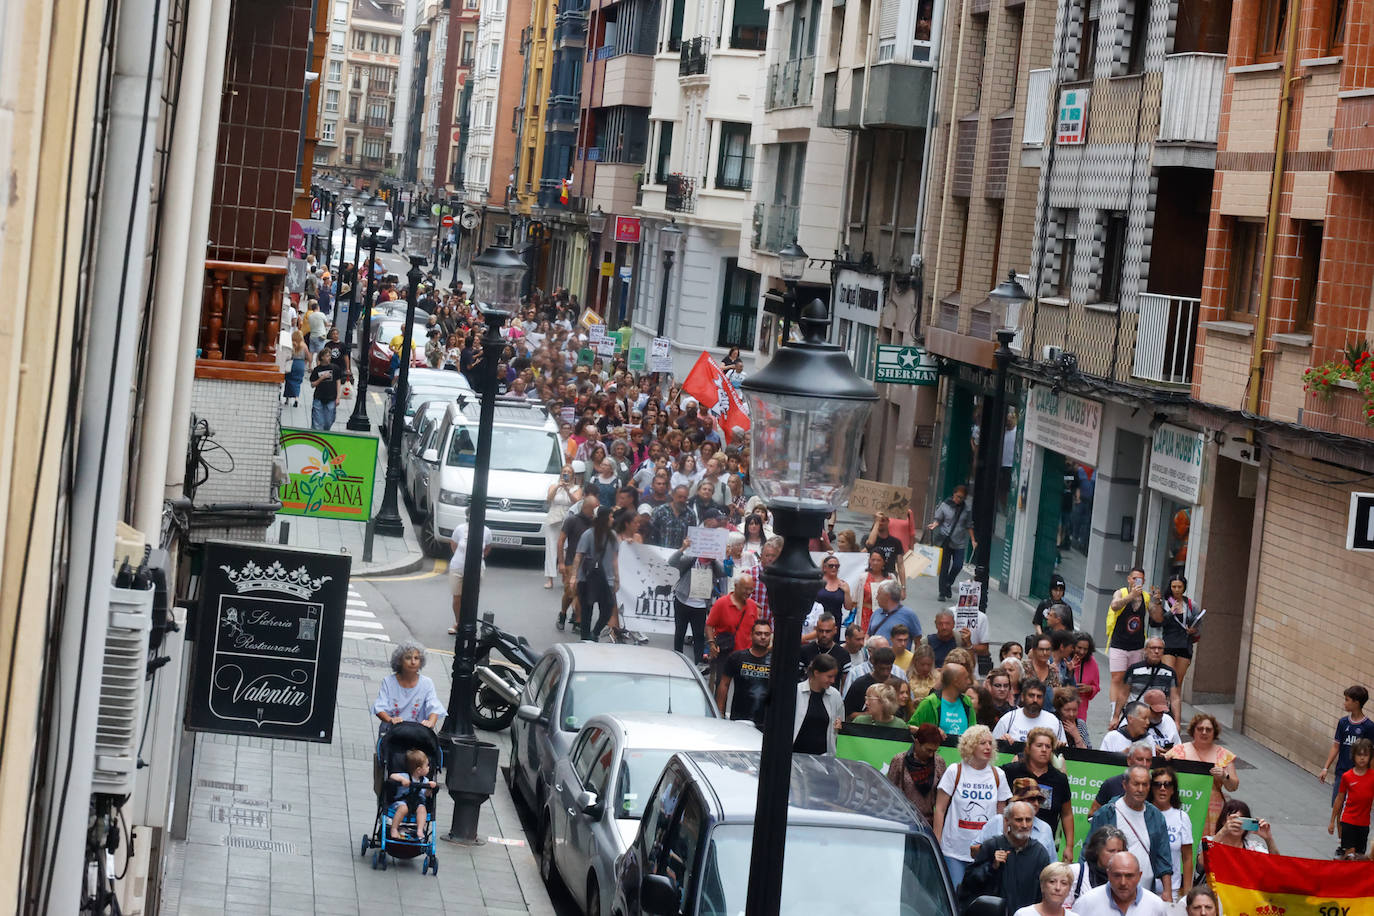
1354, 795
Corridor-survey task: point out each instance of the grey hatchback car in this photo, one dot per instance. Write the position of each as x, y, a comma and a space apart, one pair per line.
577, 680
600, 789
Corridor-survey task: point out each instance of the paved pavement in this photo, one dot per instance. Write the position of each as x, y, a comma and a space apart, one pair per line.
276, 826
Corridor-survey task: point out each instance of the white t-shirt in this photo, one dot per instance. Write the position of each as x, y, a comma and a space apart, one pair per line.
1132, 823
972, 803
460, 549
1180, 834
1098, 902
1164, 734
1015, 724
1114, 740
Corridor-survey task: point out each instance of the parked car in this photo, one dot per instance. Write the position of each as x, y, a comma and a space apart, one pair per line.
421, 458
575, 681
383, 331
601, 787
423, 384
526, 457
844, 820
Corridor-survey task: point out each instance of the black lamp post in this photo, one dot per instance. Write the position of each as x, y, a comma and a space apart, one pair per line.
596, 224
330, 198
993, 426
808, 411
420, 231
374, 213
343, 252
496, 277
669, 238
354, 290
792, 260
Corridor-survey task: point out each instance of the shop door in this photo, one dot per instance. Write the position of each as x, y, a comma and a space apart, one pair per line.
1046, 556
958, 444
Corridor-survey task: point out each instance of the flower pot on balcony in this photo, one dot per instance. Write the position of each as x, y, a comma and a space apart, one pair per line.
1341, 409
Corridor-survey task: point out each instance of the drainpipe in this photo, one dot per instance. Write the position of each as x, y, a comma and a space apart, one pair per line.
113, 291
868, 64
1271, 223
169, 311
196, 242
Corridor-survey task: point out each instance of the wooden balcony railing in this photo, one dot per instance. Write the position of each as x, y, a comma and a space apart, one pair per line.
240, 319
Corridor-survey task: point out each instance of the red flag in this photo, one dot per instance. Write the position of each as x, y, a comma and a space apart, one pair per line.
717, 395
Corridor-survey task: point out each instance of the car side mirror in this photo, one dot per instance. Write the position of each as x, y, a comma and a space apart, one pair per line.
986, 905
528, 712
430, 456
658, 894
590, 804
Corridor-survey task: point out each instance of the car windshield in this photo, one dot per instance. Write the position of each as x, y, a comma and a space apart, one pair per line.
902, 876
639, 771
623, 691
419, 395
513, 448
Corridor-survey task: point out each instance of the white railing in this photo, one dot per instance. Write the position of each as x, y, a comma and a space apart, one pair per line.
1190, 108
1037, 108
1165, 337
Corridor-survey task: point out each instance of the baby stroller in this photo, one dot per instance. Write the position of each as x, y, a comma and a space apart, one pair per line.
391, 757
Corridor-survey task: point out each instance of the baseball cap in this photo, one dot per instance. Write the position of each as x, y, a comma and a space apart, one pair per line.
1156, 700
1057, 581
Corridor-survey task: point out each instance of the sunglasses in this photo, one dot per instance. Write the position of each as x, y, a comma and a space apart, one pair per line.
1163, 784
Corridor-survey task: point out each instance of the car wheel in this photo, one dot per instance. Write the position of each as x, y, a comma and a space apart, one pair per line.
429, 541
547, 870
593, 896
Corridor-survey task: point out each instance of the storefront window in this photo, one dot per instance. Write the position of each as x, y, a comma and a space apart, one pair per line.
1175, 525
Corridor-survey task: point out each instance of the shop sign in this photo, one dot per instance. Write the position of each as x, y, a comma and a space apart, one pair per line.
899, 365
1071, 125
1176, 456
627, 229
1359, 532
858, 297
328, 475
268, 633
1064, 423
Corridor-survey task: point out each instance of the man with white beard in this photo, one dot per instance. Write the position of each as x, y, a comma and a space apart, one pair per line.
1009, 865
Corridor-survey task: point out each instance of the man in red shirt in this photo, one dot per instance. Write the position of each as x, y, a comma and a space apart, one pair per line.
731, 620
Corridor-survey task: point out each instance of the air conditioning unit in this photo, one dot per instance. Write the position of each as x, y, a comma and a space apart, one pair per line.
123, 681
1052, 354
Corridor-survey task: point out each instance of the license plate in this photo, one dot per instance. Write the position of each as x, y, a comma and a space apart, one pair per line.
509, 539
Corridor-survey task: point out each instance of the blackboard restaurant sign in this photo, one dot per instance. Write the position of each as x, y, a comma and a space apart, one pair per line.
268, 634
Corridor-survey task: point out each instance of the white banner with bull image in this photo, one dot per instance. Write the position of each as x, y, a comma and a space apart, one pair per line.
646, 584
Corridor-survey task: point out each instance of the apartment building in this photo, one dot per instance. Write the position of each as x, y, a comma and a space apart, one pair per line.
365, 105
419, 91
691, 282
497, 89
1289, 262
331, 95
461, 44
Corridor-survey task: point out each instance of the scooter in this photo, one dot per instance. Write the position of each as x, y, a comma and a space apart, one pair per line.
504, 663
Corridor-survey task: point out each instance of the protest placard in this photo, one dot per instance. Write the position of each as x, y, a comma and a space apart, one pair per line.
708, 543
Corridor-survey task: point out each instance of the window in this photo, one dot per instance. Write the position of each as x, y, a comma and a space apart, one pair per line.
1113, 258
377, 42
331, 101
1307, 276
353, 102
327, 130
377, 114
1140, 33
738, 307
1247, 258
372, 149
1068, 247
336, 71
494, 62
336, 40
1273, 28
1338, 16
1087, 45
922, 43
665, 152
340, 10
468, 39
359, 41
735, 170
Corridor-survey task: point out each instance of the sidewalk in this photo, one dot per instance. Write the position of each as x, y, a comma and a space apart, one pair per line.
390, 556
276, 826
1276, 789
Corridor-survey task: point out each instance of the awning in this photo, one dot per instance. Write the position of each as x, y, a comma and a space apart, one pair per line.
314, 226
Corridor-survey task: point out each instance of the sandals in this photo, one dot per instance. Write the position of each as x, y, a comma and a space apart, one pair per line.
453, 630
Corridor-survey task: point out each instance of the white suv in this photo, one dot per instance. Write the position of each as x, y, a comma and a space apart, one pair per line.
526, 457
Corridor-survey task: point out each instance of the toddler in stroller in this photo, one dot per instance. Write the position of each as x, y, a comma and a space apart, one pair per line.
407, 753
410, 790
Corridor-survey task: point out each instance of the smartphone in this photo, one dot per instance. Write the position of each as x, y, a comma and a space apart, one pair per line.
1249, 823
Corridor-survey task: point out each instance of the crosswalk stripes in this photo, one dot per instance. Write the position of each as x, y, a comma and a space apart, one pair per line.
361, 623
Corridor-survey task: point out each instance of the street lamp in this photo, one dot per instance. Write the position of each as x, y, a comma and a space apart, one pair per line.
343, 252
669, 239
808, 410
596, 224
420, 231
496, 278
792, 260
1009, 294
357, 282
374, 213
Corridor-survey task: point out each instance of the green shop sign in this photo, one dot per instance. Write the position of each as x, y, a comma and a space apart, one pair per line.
329, 475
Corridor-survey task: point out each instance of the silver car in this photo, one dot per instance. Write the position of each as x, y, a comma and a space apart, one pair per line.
575, 681
600, 790
418, 466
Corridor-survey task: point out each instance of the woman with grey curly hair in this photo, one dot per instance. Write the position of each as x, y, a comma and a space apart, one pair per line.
406, 695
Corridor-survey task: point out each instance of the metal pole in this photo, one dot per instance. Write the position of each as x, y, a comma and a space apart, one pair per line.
359, 422
388, 522
593, 272
353, 292
464, 683
457, 246
329, 238
787, 309
990, 464
343, 251
792, 582
663, 302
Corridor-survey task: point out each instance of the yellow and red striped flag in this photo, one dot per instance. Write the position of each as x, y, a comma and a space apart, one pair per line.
1252, 883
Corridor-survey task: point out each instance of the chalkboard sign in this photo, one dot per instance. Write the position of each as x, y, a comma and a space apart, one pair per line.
268, 634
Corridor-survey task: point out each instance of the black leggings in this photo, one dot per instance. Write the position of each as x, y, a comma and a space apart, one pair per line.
684, 616
595, 590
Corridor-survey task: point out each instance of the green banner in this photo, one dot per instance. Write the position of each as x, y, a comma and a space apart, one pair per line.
585, 356
639, 359
1087, 770
329, 475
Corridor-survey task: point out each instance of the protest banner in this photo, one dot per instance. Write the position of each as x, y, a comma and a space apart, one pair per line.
924, 560
660, 355
871, 497
638, 360
708, 543
1251, 882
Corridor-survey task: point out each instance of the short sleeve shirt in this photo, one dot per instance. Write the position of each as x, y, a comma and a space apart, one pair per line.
891, 549
1347, 733
973, 797
1359, 794
749, 677
1145, 676
1054, 790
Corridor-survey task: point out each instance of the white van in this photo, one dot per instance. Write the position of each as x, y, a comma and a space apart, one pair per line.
386, 236
526, 458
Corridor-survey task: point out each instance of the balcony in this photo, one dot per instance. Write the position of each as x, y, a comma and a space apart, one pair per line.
999, 156
774, 226
562, 113
627, 79
681, 194
1164, 339
1190, 107
899, 97
790, 83
240, 316
1038, 87
570, 31
749, 37
965, 146
693, 56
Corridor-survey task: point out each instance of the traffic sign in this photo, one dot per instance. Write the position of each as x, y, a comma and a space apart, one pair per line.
446, 222
469, 219
898, 365
1359, 532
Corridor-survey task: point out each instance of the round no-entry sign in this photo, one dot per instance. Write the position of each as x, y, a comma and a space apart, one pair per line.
446, 221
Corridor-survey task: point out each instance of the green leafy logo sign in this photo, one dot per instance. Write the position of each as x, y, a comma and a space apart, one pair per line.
329, 475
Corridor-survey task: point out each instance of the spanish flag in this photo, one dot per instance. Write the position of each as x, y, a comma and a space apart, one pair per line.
1252, 883
563, 192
